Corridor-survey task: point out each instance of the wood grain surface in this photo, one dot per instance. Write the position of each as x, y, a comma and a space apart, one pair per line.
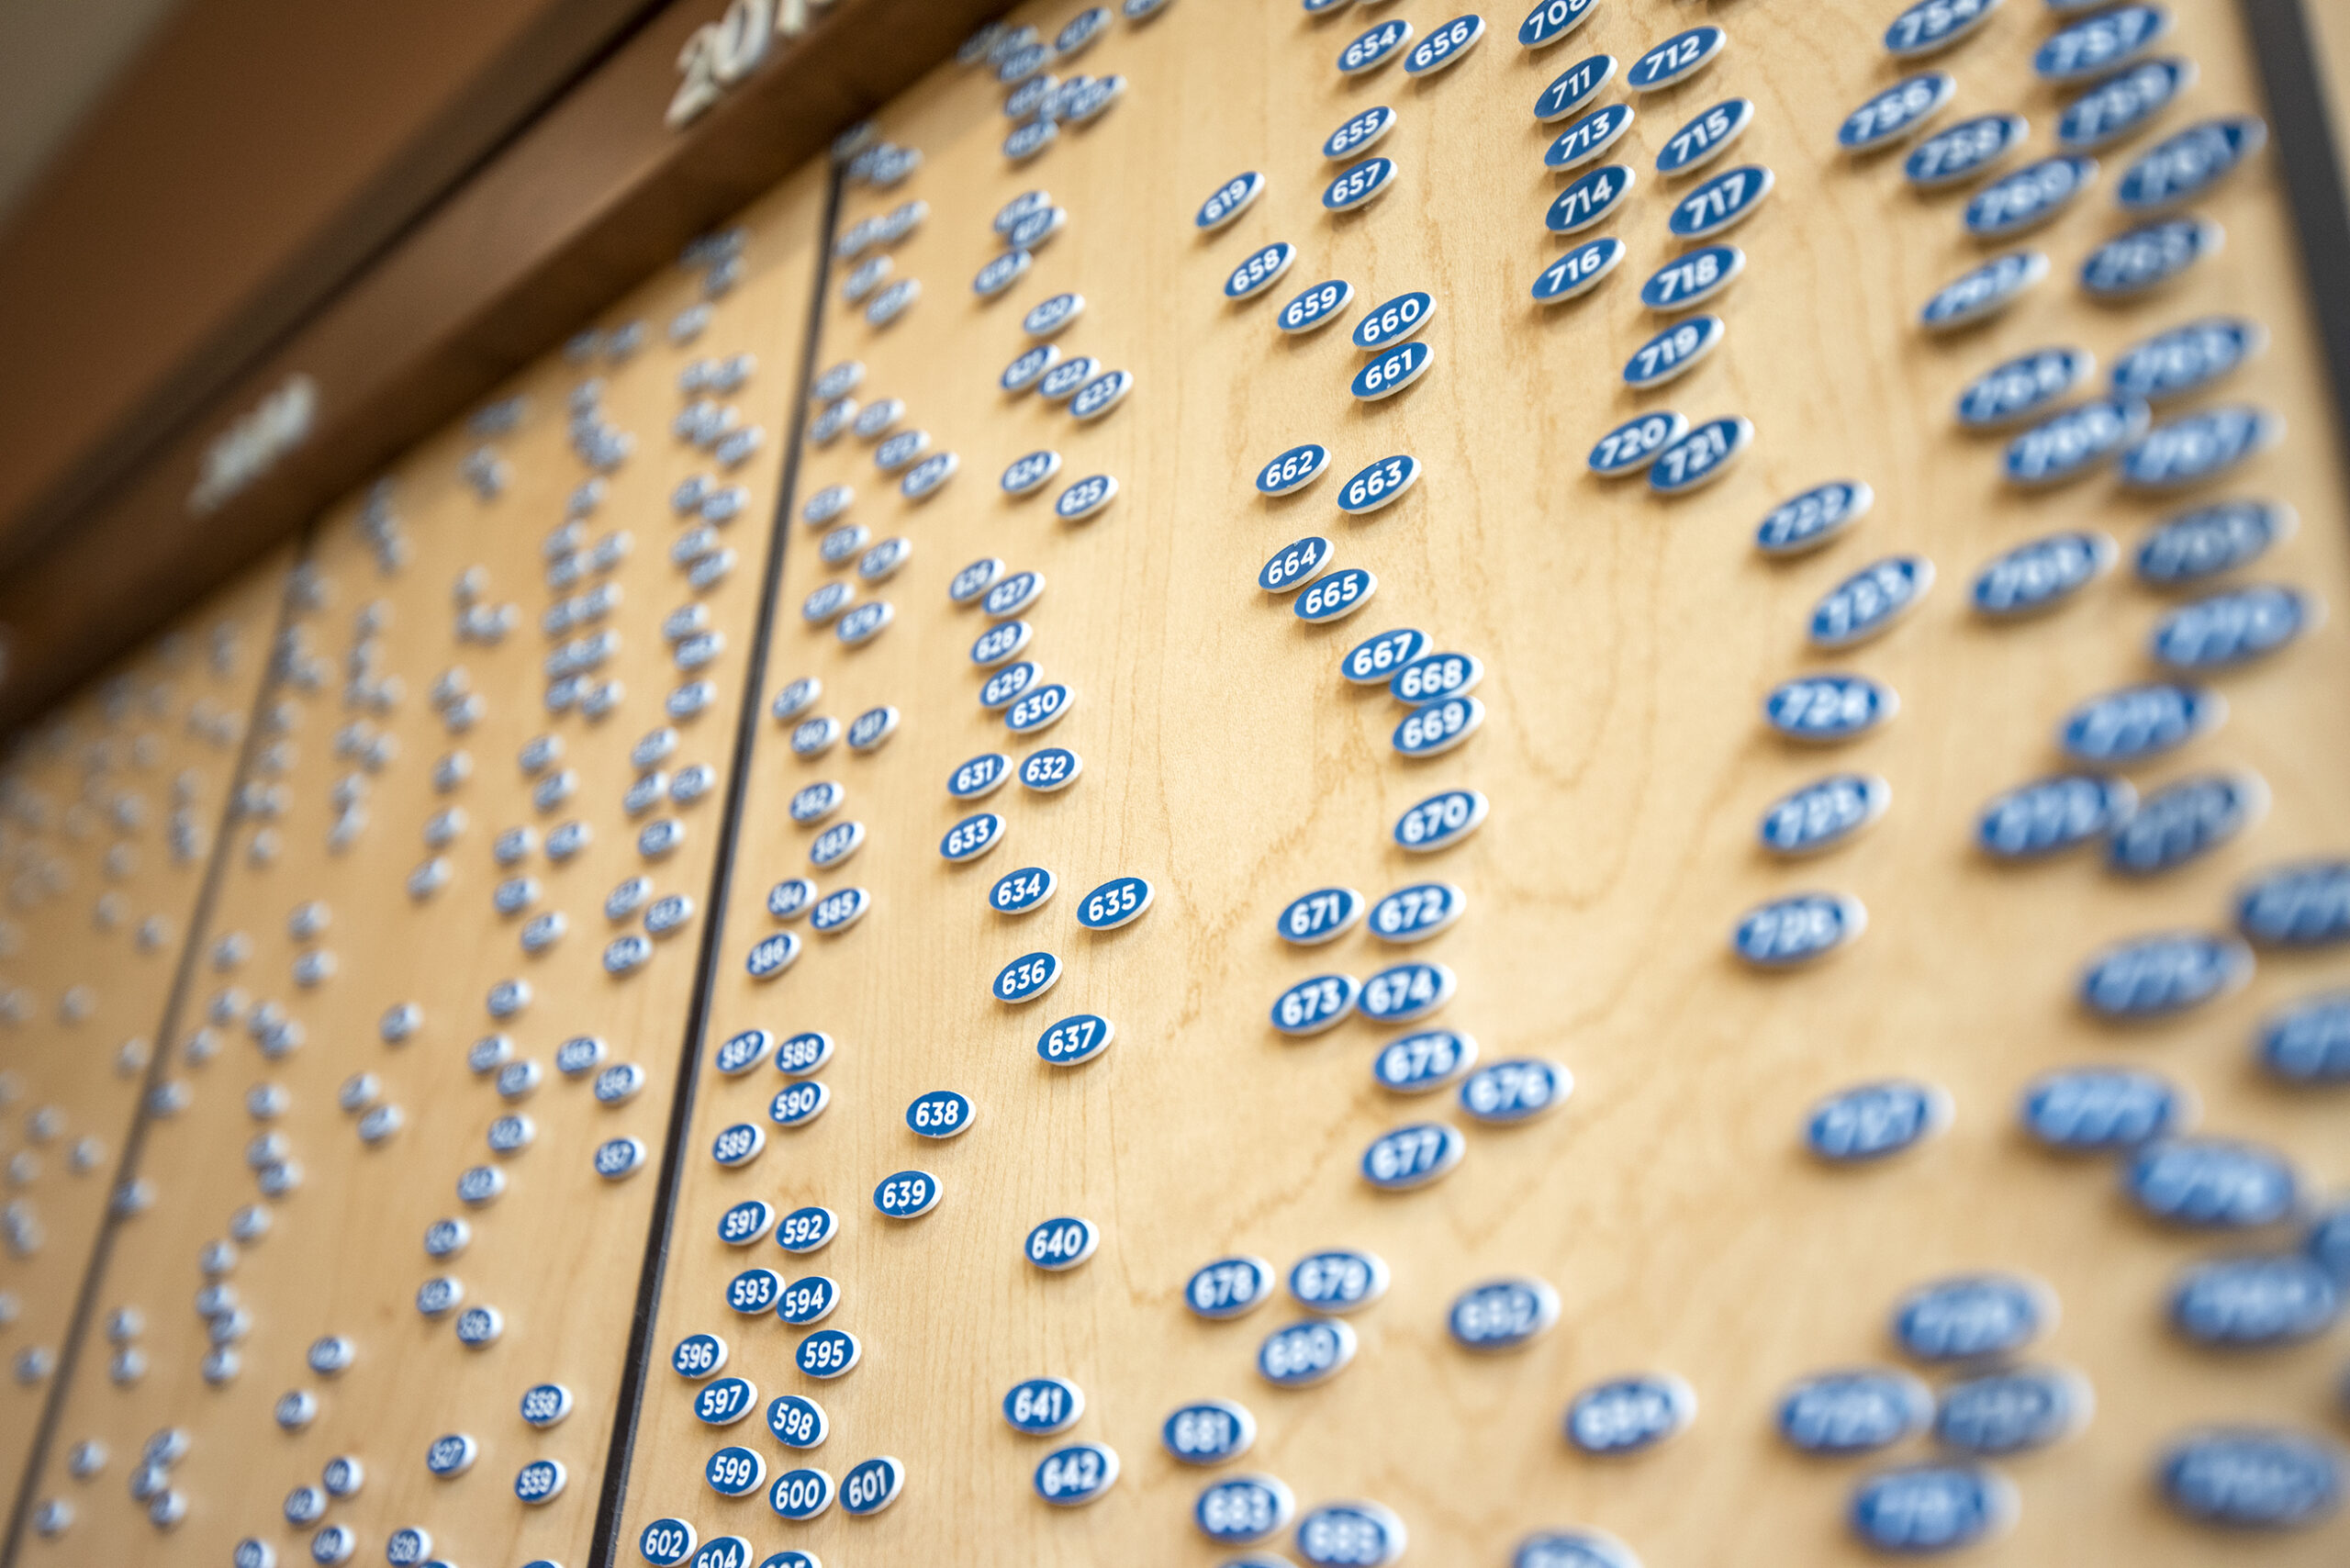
1628, 644
101, 893
560, 1254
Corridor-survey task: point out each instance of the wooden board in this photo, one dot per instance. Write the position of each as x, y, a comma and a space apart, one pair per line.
114, 803
560, 1254
1628, 644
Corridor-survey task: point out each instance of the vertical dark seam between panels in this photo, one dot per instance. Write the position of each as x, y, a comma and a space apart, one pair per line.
604, 1546
2305, 150
174, 1000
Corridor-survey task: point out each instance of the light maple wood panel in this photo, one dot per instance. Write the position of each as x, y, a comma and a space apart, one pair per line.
1628, 642
100, 788
560, 1254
